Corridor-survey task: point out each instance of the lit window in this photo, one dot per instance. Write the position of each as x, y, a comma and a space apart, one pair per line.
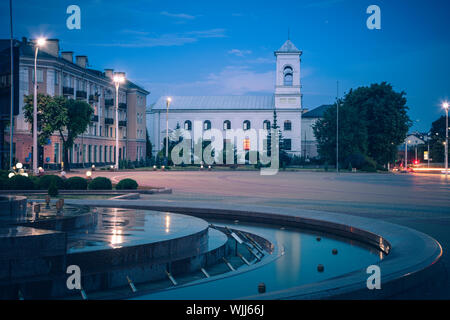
207, 125
246, 125
266, 125
246, 144
188, 125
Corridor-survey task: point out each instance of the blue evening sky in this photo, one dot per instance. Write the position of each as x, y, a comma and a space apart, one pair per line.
226, 47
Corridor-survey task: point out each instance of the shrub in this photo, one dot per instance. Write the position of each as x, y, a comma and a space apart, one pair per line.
127, 184
44, 182
100, 183
76, 183
53, 189
19, 182
370, 165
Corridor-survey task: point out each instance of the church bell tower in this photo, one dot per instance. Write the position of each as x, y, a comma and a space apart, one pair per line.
287, 87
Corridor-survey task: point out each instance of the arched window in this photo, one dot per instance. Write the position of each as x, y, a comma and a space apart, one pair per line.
287, 125
288, 76
246, 125
188, 125
266, 125
227, 125
207, 125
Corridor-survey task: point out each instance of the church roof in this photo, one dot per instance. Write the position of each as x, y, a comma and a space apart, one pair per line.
265, 102
317, 112
288, 46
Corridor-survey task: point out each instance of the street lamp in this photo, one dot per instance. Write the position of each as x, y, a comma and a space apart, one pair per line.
445, 106
406, 154
39, 43
118, 79
168, 101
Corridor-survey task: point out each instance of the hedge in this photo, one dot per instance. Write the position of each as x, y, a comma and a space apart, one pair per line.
76, 183
44, 182
127, 184
100, 183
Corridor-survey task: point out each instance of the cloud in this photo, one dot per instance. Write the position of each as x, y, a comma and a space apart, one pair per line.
143, 39
230, 80
183, 16
239, 53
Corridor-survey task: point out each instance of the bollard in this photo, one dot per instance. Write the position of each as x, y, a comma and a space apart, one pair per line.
262, 287
209, 168
37, 208
58, 206
47, 200
154, 168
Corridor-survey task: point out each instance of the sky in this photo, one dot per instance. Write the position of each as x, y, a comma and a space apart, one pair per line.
216, 47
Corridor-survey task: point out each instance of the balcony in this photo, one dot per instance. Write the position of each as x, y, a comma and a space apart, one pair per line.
109, 102
109, 121
94, 118
123, 105
67, 90
93, 98
122, 123
81, 94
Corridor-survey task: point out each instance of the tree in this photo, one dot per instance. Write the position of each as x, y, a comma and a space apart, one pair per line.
148, 146
437, 140
283, 155
68, 117
373, 121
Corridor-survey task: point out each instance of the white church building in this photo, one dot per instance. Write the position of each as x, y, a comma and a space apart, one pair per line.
246, 112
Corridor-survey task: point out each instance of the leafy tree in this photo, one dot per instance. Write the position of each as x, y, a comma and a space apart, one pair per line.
148, 146
373, 121
68, 117
437, 140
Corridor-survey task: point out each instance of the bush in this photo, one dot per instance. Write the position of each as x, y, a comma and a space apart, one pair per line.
44, 182
100, 183
127, 184
19, 182
370, 165
53, 189
76, 183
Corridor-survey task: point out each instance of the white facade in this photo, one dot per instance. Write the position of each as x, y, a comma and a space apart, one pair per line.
237, 110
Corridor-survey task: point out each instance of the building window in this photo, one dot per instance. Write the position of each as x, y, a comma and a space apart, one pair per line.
246, 125
288, 76
246, 144
266, 125
287, 144
207, 125
188, 125
227, 125
100, 153
89, 153
95, 153
56, 78
56, 156
40, 75
287, 125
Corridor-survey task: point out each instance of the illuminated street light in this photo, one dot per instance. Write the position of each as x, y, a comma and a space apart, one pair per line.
445, 106
118, 79
39, 44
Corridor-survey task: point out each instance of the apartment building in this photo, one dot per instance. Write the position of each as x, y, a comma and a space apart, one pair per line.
63, 74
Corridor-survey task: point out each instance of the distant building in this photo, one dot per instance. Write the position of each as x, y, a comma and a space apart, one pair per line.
246, 112
59, 75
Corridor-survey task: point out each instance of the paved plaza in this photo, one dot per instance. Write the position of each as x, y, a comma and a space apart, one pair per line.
417, 201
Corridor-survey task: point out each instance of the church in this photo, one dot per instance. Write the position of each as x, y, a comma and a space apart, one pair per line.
245, 112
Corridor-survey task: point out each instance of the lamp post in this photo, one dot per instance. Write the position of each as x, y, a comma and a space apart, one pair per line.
168, 101
445, 106
118, 79
406, 155
39, 43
